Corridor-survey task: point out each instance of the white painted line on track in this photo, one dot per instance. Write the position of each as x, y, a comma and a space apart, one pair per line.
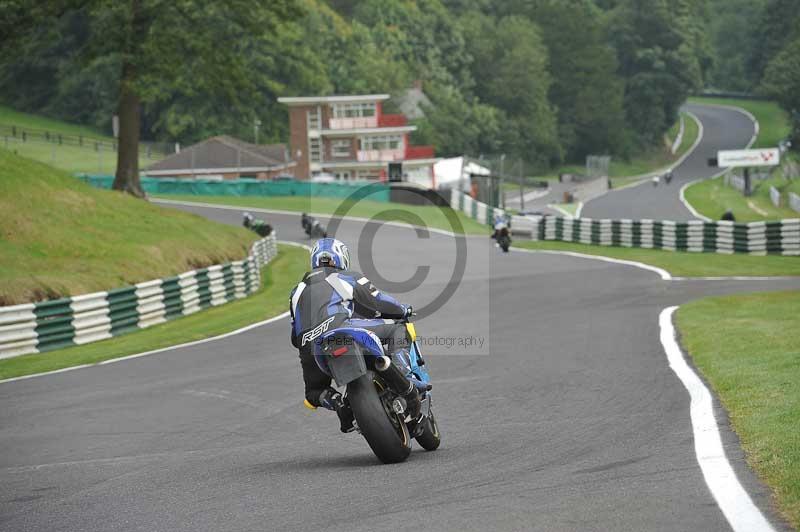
295, 244
737, 506
565, 212
154, 351
737, 278
664, 274
688, 205
326, 216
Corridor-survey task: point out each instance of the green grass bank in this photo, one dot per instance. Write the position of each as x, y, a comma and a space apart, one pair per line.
748, 348
60, 237
712, 198
71, 158
277, 280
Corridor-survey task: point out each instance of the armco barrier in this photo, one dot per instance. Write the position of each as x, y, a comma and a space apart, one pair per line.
775, 196
757, 238
37, 327
794, 201
250, 187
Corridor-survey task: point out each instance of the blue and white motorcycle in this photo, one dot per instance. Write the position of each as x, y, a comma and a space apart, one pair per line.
355, 358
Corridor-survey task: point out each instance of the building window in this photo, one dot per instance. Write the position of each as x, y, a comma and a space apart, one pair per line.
353, 110
343, 176
369, 174
314, 150
341, 147
314, 119
382, 142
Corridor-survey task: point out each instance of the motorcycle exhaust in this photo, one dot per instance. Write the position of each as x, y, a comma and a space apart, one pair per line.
393, 376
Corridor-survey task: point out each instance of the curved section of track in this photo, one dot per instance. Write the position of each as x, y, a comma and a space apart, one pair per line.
723, 129
556, 403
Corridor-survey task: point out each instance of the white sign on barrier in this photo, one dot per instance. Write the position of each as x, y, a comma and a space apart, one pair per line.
765, 157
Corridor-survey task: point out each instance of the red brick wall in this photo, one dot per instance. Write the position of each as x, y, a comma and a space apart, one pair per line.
298, 139
327, 113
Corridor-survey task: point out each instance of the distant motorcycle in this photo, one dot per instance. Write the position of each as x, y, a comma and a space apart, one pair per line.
504, 239
656, 179
312, 227
260, 227
668, 177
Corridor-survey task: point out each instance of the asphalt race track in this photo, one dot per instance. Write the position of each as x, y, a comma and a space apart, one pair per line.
723, 129
567, 417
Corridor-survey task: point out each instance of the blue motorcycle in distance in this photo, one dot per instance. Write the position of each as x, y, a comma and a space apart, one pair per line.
355, 358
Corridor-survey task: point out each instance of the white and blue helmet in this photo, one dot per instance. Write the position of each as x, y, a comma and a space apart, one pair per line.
330, 252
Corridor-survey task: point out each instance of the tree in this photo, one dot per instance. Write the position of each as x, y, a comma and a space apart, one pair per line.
586, 91
778, 25
734, 39
510, 68
457, 126
195, 46
782, 82
658, 61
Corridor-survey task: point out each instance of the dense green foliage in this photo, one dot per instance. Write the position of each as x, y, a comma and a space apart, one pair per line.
756, 45
546, 81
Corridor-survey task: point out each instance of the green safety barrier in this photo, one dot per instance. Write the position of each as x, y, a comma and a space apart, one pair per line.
250, 187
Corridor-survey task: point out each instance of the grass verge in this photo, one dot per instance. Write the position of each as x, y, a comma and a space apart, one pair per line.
278, 278
748, 349
683, 264
658, 158
11, 117
568, 208
433, 217
773, 123
61, 237
63, 156
712, 198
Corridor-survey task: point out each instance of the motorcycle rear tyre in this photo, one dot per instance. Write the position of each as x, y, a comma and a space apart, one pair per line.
388, 438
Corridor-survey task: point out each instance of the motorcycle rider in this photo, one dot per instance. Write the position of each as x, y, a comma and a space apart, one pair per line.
330, 296
259, 226
500, 223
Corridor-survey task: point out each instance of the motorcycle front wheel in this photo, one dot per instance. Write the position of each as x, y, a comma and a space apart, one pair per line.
385, 432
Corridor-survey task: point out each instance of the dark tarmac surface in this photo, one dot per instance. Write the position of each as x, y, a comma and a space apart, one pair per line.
565, 417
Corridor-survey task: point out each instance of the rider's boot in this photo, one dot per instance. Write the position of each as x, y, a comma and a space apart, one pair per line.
413, 402
332, 400
402, 360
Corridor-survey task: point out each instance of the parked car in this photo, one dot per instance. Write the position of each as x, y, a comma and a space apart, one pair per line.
283, 177
323, 178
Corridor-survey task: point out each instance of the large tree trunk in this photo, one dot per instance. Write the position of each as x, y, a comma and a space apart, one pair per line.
127, 176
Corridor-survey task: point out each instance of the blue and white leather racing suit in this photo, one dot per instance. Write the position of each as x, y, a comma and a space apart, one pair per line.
328, 298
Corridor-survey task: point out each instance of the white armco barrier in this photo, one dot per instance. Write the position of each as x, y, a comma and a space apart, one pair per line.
36, 327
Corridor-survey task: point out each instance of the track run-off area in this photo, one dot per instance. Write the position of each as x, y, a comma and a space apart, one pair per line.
560, 403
